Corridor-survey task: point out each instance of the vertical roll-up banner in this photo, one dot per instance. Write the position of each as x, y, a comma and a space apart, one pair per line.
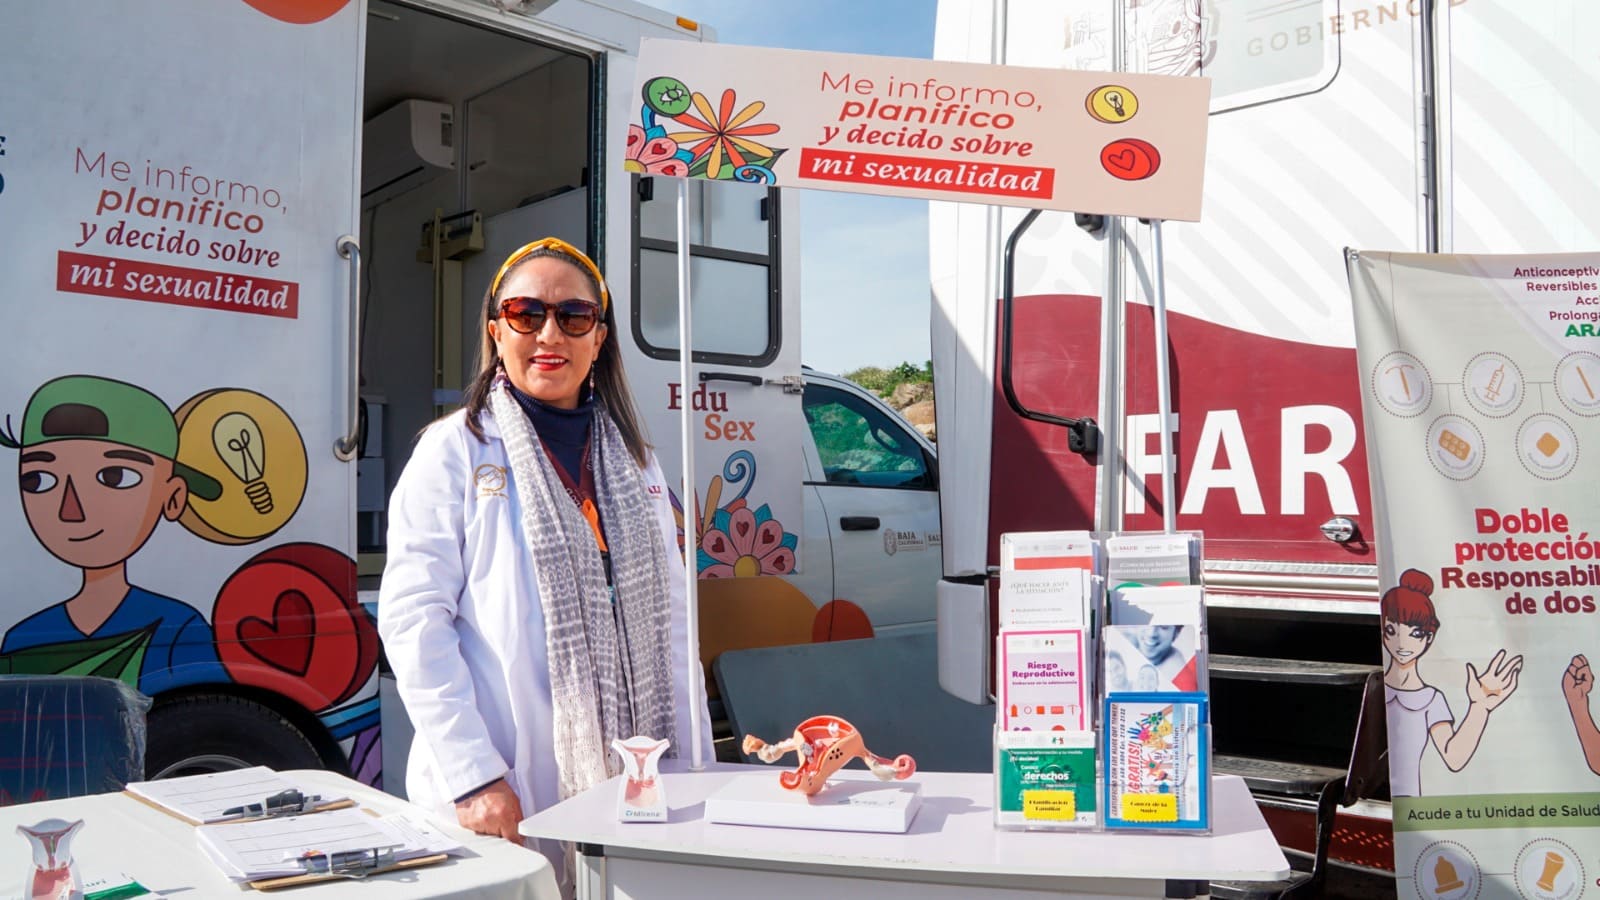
1481, 392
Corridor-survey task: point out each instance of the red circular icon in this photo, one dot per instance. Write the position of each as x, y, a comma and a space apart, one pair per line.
1130, 159
299, 12
288, 621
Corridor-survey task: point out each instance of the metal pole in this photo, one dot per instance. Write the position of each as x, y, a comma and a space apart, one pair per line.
691, 592
1429, 116
1110, 478
1169, 500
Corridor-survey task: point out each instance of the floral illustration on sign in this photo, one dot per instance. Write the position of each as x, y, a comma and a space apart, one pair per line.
653, 153
737, 541
717, 143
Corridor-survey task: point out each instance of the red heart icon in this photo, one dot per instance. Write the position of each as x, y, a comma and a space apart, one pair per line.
1130, 159
767, 537
717, 546
288, 621
285, 640
742, 527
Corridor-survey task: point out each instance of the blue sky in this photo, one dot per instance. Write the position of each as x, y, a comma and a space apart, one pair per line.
864, 260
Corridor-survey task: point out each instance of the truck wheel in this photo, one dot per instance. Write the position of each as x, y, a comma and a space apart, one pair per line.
215, 733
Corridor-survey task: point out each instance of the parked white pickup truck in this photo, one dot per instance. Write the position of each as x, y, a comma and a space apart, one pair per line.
872, 531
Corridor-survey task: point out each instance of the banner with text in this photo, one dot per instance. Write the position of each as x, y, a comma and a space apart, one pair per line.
1481, 391
1093, 142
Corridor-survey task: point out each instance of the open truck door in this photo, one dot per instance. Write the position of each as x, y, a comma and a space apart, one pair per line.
180, 382
743, 524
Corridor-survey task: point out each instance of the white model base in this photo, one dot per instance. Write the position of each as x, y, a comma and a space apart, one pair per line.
852, 801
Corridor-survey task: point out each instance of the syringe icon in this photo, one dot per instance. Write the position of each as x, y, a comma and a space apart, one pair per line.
1497, 380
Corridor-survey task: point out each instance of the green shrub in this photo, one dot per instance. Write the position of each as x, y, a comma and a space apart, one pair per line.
883, 381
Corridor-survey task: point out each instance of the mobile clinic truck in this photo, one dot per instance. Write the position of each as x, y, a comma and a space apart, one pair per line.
1464, 126
246, 241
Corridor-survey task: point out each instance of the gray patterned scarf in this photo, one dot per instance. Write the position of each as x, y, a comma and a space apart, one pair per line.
610, 660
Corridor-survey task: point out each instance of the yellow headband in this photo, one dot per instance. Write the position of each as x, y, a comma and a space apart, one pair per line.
562, 247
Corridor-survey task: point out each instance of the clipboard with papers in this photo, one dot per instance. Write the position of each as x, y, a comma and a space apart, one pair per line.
237, 795
260, 828
284, 851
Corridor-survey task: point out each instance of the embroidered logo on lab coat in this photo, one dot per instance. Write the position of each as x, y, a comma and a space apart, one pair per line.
491, 480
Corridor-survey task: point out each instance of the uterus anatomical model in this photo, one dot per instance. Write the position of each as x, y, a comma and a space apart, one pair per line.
640, 797
824, 744
55, 873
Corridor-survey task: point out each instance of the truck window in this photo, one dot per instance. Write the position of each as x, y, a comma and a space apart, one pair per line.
733, 242
861, 444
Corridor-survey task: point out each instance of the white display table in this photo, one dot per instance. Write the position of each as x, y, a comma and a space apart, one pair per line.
161, 852
952, 850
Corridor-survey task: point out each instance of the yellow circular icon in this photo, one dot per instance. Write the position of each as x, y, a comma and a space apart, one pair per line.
252, 448
1112, 103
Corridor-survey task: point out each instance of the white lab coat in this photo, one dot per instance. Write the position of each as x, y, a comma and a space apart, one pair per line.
461, 624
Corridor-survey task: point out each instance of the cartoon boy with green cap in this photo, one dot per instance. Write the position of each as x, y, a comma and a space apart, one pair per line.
98, 472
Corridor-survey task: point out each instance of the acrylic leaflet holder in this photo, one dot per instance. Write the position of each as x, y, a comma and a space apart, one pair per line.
1102, 710
1157, 754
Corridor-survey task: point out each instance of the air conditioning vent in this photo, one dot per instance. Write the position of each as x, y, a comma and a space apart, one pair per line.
404, 147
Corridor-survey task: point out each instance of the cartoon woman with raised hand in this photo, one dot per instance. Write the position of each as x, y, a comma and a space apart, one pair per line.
1418, 712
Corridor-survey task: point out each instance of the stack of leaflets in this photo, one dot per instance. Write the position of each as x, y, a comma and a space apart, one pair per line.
1155, 640
1157, 774
1152, 559
1155, 714
1044, 743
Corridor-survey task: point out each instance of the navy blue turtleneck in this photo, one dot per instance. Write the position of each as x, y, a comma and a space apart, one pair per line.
564, 432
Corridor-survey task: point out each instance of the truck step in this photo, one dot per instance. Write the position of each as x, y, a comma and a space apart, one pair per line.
1275, 777
1294, 671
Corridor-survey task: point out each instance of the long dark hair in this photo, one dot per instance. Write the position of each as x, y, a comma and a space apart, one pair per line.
610, 382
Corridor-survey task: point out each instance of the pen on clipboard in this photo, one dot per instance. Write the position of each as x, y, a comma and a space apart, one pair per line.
346, 863
284, 803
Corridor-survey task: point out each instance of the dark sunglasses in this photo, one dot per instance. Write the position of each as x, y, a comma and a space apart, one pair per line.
526, 315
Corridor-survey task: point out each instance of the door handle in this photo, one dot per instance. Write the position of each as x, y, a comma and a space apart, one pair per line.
858, 523
741, 377
346, 447
791, 384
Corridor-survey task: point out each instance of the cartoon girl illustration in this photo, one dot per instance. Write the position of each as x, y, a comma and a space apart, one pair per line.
1418, 712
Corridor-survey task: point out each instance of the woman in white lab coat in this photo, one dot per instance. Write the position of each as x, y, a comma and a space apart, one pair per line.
532, 605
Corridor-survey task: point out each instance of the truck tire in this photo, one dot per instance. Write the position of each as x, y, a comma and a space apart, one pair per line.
217, 732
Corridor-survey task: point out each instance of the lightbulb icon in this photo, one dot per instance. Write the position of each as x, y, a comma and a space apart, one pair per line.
1115, 99
238, 441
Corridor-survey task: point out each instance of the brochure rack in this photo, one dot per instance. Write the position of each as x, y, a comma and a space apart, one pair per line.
1102, 717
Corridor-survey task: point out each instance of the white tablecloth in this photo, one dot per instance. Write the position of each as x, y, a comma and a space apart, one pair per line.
951, 841
161, 853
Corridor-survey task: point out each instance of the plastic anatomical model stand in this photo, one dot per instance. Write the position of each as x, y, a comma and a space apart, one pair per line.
824, 744
639, 795
54, 874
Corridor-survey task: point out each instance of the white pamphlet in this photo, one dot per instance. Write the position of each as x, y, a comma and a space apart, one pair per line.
1180, 604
